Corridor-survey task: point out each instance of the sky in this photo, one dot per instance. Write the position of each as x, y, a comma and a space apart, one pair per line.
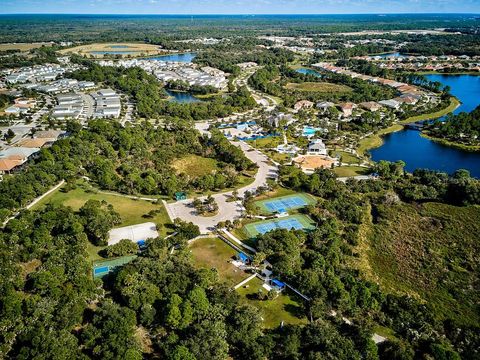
238, 6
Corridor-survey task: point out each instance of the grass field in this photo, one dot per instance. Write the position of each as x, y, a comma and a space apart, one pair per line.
428, 251
130, 210
214, 253
454, 103
348, 171
251, 231
319, 87
132, 49
262, 204
195, 166
283, 308
347, 158
22, 46
267, 143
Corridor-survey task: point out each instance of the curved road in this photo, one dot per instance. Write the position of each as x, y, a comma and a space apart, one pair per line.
227, 210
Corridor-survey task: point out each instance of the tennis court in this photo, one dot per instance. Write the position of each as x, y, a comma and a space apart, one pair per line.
297, 222
285, 203
102, 268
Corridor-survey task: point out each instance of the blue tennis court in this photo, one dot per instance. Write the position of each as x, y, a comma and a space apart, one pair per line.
101, 270
279, 224
285, 203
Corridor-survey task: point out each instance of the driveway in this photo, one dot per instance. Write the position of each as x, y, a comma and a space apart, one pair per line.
227, 210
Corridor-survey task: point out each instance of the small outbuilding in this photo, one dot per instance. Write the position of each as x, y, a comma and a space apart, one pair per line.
277, 285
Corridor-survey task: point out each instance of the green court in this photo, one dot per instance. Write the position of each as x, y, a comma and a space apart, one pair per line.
297, 222
102, 268
284, 203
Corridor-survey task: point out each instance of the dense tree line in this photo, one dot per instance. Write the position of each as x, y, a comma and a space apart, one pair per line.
128, 160
463, 128
226, 57
317, 262
38, 56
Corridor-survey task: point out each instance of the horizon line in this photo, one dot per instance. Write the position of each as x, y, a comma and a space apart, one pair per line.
246, 14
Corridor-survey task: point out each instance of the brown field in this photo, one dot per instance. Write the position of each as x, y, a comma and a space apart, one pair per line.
22, 46
313, 162
133, 49
211, 253
319, 87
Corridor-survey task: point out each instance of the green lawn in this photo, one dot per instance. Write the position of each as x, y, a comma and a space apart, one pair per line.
347, 158
428, 251
267, 143
284, 307
131, 211
214, 253
195, 166
454, 103
349, 171
323, 87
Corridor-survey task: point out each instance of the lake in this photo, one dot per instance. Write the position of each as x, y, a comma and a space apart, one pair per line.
306, 71
184, 57
391, 55
114, 52
418, 152
182, 97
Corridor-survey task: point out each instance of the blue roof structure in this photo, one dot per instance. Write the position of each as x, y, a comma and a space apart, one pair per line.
278, 283
243, 257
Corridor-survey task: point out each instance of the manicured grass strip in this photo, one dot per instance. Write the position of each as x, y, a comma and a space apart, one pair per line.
323, 87
131, 211
285, 202
252, 231
211, 253
284, 308
454, 103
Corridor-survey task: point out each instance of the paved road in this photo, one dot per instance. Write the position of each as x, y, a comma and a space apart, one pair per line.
228, 210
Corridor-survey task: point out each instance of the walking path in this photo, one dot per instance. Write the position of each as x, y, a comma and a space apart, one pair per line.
35, 201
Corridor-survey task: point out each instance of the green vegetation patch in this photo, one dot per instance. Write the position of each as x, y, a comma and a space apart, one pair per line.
284, 308
195, 166
349, 171
131, 211
214, 253
324, 87
430, 251
266, 143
